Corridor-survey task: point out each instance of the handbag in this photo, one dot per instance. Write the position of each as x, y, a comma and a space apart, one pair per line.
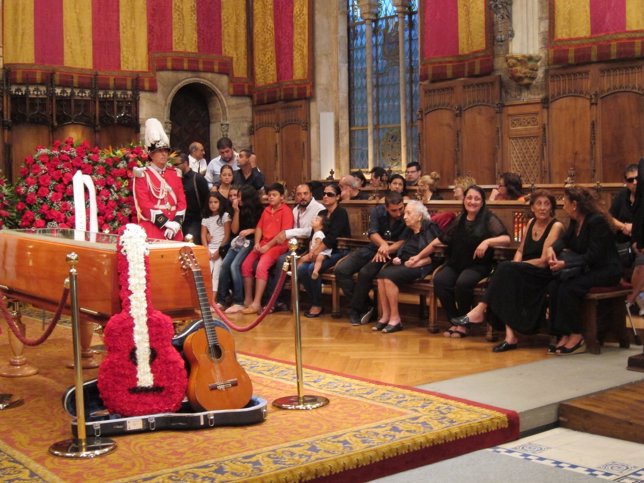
626, 254
575, 264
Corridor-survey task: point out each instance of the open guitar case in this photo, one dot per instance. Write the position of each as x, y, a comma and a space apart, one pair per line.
99, 422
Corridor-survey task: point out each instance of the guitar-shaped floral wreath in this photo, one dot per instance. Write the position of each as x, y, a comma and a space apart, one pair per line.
142, 373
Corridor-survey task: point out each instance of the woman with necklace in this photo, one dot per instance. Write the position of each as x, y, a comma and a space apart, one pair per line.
591, 238
516, 297
470, 239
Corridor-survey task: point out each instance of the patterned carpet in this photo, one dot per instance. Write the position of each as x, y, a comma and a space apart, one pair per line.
367, 430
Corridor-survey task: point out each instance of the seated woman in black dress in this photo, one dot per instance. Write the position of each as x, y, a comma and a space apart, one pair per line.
469, 239
589, 235
421, 231
516, 297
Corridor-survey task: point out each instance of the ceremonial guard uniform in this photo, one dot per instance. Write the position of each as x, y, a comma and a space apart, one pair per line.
158, 190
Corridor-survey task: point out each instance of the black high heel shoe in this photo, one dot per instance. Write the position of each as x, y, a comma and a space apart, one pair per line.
463, 321
578, 348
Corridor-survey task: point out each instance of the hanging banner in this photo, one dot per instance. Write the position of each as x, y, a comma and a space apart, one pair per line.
583, 31
456, 39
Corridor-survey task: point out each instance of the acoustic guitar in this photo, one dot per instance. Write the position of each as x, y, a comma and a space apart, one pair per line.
217, 381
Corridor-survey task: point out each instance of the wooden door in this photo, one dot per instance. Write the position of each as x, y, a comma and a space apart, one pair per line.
294, 144
570, 146
265, 141
595, 120
281, 142
190, 119
460, 128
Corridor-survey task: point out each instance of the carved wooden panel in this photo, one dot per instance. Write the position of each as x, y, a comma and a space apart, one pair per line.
460, 128
523, 142
595, 120
620, 133
281, 142
570, 140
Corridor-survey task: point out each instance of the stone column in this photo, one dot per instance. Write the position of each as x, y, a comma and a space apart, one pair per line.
401, 11
369, 10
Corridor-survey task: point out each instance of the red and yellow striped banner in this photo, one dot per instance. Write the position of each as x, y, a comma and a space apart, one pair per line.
281, 46
595, 30
455, 39
130, 37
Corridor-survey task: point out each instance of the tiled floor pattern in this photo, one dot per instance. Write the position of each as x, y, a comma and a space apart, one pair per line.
587, 454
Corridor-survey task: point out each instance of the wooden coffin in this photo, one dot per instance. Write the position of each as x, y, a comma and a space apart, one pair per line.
33, 267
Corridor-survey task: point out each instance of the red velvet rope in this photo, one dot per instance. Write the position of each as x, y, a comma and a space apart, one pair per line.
260, 317
50, 328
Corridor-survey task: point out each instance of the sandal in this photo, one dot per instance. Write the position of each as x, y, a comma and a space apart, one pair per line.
453, 333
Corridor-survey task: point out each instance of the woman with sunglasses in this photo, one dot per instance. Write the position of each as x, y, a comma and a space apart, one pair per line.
336, 225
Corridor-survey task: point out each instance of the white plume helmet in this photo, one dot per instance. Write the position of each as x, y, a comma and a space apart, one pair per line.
155, 136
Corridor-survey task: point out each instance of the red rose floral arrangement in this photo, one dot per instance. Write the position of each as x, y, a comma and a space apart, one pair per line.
7, 204
45, 195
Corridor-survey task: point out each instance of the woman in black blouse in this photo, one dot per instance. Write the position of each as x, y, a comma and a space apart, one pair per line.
469, 239
589, 235
421, 232
336, 225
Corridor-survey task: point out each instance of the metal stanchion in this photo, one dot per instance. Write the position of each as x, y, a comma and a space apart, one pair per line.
82, 446
300, 401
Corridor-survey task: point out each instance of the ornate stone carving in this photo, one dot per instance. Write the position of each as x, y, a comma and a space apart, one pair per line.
523, 68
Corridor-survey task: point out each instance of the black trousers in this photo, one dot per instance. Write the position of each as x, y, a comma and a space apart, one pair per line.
358, 261
455, 289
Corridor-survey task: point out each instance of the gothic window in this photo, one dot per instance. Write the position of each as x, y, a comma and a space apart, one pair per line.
385, 85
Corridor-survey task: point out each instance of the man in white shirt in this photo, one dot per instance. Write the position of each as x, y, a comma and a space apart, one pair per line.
306, 208
227, 155
196, 159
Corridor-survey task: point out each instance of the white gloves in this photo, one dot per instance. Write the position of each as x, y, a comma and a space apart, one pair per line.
171, 229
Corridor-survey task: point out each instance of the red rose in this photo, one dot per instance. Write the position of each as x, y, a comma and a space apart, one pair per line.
44, 180
39, 224
31, 198
43, 192
20, 206
29, 181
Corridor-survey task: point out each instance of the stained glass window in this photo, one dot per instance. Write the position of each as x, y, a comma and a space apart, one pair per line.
385, 85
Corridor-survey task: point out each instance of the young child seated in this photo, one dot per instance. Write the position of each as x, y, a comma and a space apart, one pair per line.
276, 217
318, 235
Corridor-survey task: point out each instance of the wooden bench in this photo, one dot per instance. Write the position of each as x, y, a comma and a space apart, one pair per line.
604, 311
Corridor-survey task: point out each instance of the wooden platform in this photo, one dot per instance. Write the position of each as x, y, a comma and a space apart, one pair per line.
616, 413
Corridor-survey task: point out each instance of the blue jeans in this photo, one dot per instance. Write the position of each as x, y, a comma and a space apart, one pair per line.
231, 272
314, 287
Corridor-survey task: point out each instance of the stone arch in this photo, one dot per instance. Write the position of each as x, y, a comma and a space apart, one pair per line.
217, 108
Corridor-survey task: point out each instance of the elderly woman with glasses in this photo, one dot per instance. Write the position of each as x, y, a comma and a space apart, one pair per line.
336, 225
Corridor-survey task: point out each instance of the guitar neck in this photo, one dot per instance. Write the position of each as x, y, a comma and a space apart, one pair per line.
204, 306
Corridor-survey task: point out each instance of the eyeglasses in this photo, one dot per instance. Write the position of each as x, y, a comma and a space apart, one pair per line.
329, 194
631, 180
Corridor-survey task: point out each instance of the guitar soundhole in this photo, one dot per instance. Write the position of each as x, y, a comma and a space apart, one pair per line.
216, 352
153, 356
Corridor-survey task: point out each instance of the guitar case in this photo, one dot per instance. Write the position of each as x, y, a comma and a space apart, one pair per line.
99, 422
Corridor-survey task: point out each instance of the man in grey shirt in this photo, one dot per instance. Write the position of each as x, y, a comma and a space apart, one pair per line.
227, 155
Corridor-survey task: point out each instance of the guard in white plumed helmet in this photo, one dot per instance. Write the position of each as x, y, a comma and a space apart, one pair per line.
158, 191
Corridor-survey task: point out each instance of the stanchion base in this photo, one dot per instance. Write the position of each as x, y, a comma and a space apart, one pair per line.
76, 448
304, 402
86, 363
22, 370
